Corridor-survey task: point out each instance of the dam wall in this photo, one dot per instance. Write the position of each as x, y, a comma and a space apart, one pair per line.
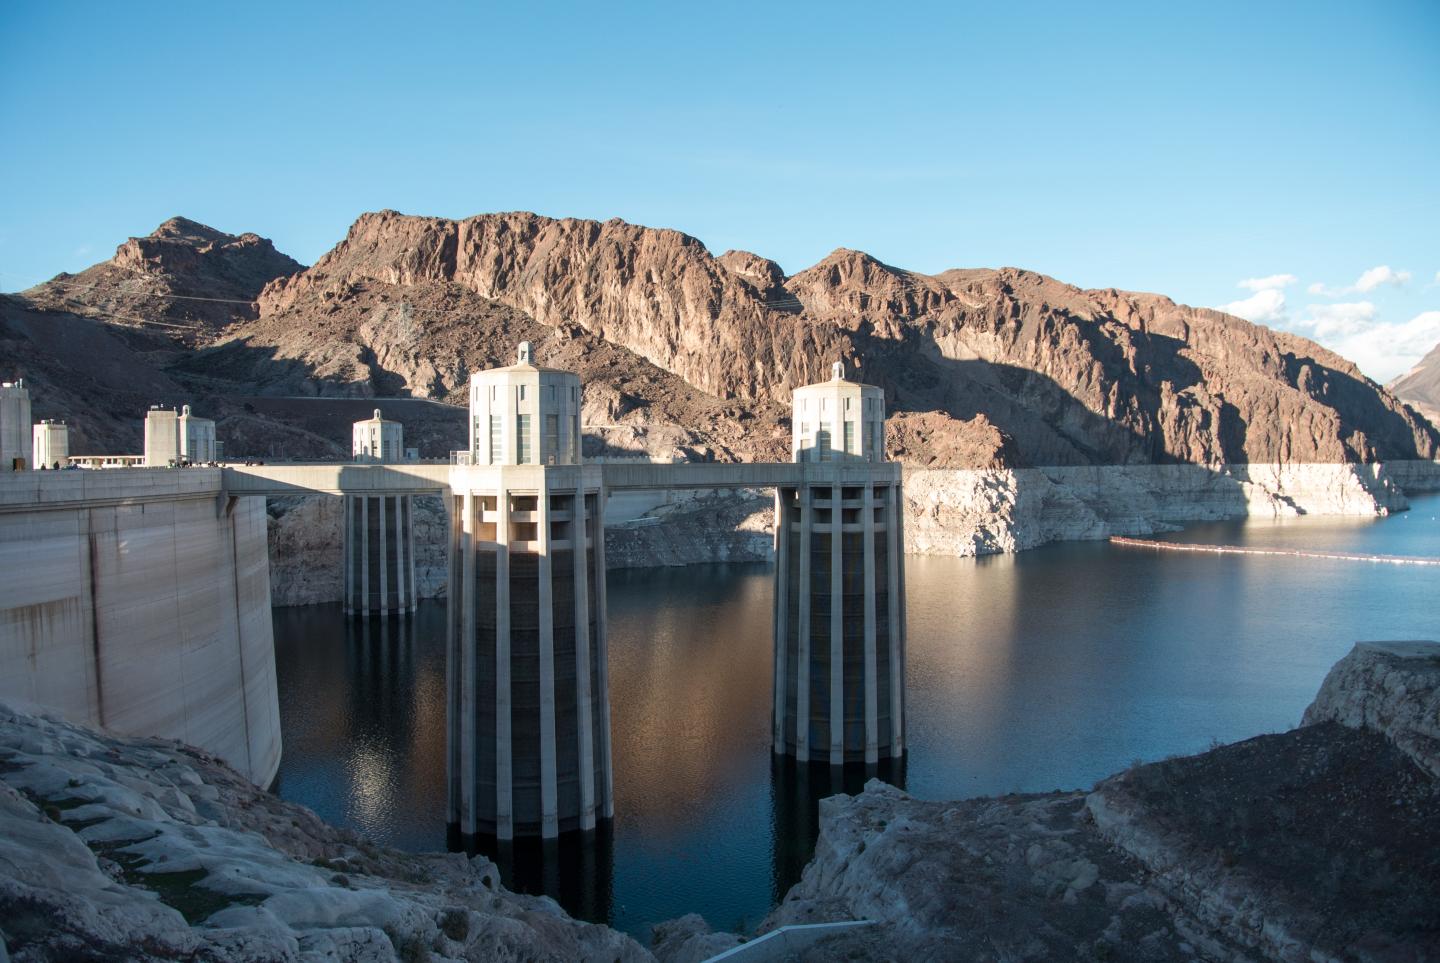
139, 600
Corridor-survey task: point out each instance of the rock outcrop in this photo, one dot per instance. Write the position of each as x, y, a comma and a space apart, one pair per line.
957, 512
1420, 386
1316, 844
143, 850
1018, 365
307, 537
184, 279
1388, 687
1041, 411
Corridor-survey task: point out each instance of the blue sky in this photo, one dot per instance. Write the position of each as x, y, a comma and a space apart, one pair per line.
1181, 148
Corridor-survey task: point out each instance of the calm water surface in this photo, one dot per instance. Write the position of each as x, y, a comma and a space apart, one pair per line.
1044, 670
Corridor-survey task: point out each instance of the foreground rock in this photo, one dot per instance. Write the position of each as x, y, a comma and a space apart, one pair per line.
114, 848
1318, 844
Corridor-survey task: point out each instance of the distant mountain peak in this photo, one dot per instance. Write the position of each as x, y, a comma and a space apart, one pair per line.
184, 227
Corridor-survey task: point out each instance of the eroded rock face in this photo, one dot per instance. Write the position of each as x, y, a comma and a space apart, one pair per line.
191, 276
1319, 844
712, 527
1014, 878
133, 849
1315, 844
1392, 688
1420, 386
958, 512
1061, 376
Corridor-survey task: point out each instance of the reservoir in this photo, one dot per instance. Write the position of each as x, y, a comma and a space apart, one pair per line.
1026, 673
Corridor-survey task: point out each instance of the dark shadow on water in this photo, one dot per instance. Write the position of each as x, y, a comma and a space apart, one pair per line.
577, 870
796, 791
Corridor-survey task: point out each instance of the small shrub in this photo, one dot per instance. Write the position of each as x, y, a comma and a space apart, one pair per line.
455, 924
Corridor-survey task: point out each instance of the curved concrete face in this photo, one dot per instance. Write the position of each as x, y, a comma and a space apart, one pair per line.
139, 600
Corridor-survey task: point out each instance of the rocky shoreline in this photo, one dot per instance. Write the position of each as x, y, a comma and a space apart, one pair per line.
114, 848
1316, 844
948, 512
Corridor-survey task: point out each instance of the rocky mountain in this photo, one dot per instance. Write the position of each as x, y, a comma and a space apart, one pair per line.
1420, 386
983, 368
184, 279
1027, 410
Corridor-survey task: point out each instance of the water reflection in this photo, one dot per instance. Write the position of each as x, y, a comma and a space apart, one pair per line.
576, 870
1044, 670
362, 711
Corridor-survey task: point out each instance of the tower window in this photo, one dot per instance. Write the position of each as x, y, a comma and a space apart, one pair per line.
522, 438
497, 448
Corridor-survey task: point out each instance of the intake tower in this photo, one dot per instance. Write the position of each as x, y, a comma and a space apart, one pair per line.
528, 688
379, 530
839, 583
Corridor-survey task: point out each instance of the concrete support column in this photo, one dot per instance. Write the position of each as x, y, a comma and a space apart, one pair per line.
402, 599
348, 506
802, 661
384, 586
549, 813
894, 524
782, 613
504, 770
872, 721
410, 550
602, 642
585, 707
457, 604
365, 558
899, 630
469, 680
837, 625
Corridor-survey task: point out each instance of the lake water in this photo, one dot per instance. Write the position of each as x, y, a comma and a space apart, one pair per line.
1044, 670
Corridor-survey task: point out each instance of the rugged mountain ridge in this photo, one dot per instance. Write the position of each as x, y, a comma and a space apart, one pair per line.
1420, 386
988, 374
990, 367
183, 279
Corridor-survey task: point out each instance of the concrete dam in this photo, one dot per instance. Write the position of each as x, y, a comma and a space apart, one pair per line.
141, 599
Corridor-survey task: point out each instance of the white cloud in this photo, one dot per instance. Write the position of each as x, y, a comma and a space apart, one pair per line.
1369, 280
1268, 282
1339, 320
1263, 307
1377, 276
1382, 349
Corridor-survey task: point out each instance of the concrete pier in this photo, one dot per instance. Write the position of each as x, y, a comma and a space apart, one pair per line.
839, 583
839, 619
528, 694
379, 555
